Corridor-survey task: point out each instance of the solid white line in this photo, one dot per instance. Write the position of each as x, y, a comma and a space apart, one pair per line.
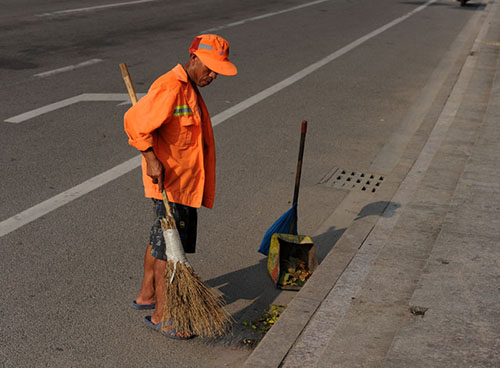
69, 101
339, 299
67, 68
63, 198
42, 110
70, 11
33, 213
263, 16
310, 69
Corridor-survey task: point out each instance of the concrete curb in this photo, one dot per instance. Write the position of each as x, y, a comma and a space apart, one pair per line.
273, 349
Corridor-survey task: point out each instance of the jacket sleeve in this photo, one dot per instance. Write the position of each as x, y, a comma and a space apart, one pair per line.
147, 115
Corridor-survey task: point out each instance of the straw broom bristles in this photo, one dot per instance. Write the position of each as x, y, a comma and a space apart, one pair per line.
192, 305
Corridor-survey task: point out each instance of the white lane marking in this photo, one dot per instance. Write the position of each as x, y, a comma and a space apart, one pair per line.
79, 10
331, 311
63, 198
69, 101
33, 213
311, 68
42, 110
263, 16
68, 68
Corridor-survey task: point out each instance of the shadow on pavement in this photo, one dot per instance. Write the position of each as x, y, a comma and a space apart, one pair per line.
467, 6
253, 289
326, 241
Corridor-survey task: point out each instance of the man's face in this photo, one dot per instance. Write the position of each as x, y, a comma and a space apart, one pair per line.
202, 76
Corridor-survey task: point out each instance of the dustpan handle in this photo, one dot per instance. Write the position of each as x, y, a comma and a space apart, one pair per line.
303, 132
299, 163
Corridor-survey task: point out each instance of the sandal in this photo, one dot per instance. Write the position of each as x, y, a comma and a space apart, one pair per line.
137, 306
171, 332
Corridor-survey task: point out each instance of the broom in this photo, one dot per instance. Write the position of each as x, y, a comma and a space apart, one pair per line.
192, 305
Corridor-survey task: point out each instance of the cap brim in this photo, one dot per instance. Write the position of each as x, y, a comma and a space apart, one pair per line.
220, 67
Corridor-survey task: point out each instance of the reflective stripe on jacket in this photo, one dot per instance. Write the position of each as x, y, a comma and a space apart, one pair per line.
169, 120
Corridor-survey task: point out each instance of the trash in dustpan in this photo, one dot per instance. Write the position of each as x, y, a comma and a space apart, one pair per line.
291, 260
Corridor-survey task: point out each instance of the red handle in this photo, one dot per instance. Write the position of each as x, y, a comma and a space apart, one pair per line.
304, 127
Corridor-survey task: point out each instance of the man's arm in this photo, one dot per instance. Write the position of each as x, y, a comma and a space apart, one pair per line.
154, 167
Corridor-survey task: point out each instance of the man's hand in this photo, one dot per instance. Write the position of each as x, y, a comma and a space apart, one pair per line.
154, 167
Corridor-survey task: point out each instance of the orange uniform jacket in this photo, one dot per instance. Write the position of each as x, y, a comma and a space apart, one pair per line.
173, 119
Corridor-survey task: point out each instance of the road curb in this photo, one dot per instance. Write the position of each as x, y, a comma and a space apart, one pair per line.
274, 347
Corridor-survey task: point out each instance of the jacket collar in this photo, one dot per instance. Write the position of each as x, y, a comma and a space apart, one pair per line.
180, 73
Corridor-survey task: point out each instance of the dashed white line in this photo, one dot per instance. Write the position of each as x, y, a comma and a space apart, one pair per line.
33, 213
67, 68
267, 15
80, 10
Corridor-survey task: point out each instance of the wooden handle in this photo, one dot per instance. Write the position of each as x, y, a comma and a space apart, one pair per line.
169, 215
128, 83
133, 99
166, 202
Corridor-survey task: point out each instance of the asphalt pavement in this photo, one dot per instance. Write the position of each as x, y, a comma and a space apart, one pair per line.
370, 77
419, 285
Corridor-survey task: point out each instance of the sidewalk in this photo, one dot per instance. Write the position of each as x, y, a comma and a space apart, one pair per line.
418, 286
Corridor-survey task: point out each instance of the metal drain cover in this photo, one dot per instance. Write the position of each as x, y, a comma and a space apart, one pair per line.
353, 180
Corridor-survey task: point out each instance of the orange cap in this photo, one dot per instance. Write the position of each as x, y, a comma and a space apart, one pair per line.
213, 51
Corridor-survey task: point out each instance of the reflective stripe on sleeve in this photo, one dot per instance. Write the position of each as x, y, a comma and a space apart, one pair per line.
182, 110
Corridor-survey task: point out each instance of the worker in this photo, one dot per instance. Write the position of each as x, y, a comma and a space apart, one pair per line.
172, 128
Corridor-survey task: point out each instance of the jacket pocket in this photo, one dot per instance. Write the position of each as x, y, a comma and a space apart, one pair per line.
180, 131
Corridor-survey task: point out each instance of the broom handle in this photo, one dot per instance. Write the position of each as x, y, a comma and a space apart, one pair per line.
303, 132
128, 83
133, 99
167, 205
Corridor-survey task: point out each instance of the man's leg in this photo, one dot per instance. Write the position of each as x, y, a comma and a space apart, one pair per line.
159, 271
147, 292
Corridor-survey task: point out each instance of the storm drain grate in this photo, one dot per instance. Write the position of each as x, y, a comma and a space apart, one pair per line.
353, 180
